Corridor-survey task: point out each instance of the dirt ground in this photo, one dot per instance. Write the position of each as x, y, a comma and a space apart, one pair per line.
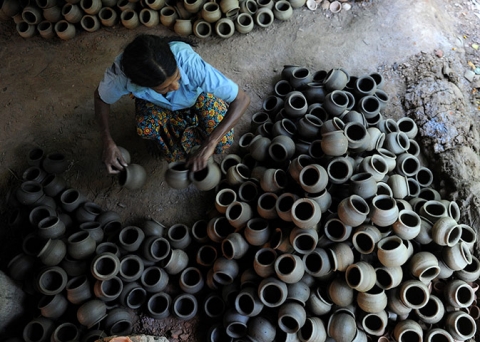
46, 100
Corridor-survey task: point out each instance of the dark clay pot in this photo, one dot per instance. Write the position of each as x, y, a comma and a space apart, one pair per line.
78, 290
21, 266
53, 185
133, 295
88, 211
81, 245
51, 228
91, 312
118, 322
53, 306
29, 192
108, 290
53, 252
38, 330
132, 177
55, 162
51, 280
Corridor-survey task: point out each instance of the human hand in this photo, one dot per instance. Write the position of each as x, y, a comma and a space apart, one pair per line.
113, 159
198, 160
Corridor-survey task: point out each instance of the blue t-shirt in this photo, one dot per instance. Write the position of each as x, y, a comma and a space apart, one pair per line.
196, 77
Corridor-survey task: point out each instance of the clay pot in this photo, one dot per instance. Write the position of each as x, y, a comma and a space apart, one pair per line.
131, 268
238, 213
303, 241
438, 334
155, 4
91, 7
312, 330
323, 199
52, 14
78, 289
32, 15
90, 23
446, 232
51, 280
364, 85
264, 17
179, 236
108, 290
130, 238
80, 245
225, 270
336, 103
353, 210
168, 16
108, 17
133, 176
339, 170
375, 323
158, 305
281, 148
154, 279
175, 262
52, 306
289, 268
264, 261
177, 175
91, 313
365, 238
218, 228
38, 330
199, 231
10, 8
133, 295
260, 329
53, 185
94, 229
39, 213
383, 210
105, 266
206, 255
266, 206
234, 246
191, 280
372, 301
291, 317
460, 325
129, 19
207, 178
65, 30
211, 12
457, 257
305, 213
392, 251
317, 263
414, 294
185, 306
471, 272
342, 327
313, 178
66, 332
119, 322
53, 252
363, 184
272, 292
283, 10
360, 276
432, 312
458, 294
20, 267
424, 266
408, 224
29, 192
406, 330
71, 199
336, 79
334, 143
388, 277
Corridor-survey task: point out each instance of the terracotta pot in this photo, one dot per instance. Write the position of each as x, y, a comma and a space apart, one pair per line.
159, 305
66, 332
25, 29
53, 252
39, 330
108, 17
360, 276
306, 213
133, 295
185, 306
51, 280
432, 312
272, 292
90, 23
179, 236
52, 306
154, 279
388, 277
234, 246
78, 289
372, 301
175, 262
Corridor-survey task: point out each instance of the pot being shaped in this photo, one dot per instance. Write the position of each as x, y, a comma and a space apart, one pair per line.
207, 178
360, 276
407, 330
132, 177
336, 79
306, 213
391, 251
432, 312
272, 292
372, 301
342, 327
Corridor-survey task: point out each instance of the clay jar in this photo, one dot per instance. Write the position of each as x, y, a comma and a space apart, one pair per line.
272, 292
283, 10
132, 177
424, 266
39, 329
336, 79
91, 313
129, 19
51, 280
149, 17
264, 17
177, 175
80, 245
183, 27
168, 15
52, 306
108, 17
185, 306
207, 178
360, 276
52, 252
334, 143
130, 238
383, 210
295, 105
211, 12
158, 305
353, 210
392, 251
306, 213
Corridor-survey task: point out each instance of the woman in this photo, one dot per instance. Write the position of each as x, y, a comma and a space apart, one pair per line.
180, 101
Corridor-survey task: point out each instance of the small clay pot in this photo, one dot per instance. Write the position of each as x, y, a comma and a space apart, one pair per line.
119, 322
78, 289
131, 268
108, 290
51, 280
154, 279
52, 306
91, 312
175, 262
159, 305
39, 329
272, 292
132, 177
130, 238
133, 295
185, 306
53, 252
177, 175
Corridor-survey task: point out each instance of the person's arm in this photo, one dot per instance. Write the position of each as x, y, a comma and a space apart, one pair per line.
236, 109
111, 156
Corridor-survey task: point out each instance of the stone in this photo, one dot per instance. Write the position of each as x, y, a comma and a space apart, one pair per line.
469, 75
12, 300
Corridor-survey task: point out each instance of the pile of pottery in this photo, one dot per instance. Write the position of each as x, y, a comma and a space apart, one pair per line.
79, 263
63, 18
327, 223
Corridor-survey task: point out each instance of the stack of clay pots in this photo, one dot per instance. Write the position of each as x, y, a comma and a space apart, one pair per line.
328, 224
63, 18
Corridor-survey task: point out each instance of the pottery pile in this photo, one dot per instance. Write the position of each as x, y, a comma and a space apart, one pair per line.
328, 223
202, 18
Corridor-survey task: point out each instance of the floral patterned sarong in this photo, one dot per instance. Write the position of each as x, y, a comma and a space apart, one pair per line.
177, 132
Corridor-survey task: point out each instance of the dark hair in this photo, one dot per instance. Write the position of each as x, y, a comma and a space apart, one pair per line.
148, 61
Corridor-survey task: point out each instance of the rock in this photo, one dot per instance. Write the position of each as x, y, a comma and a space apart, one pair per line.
12, 300
439, 53
469, 75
